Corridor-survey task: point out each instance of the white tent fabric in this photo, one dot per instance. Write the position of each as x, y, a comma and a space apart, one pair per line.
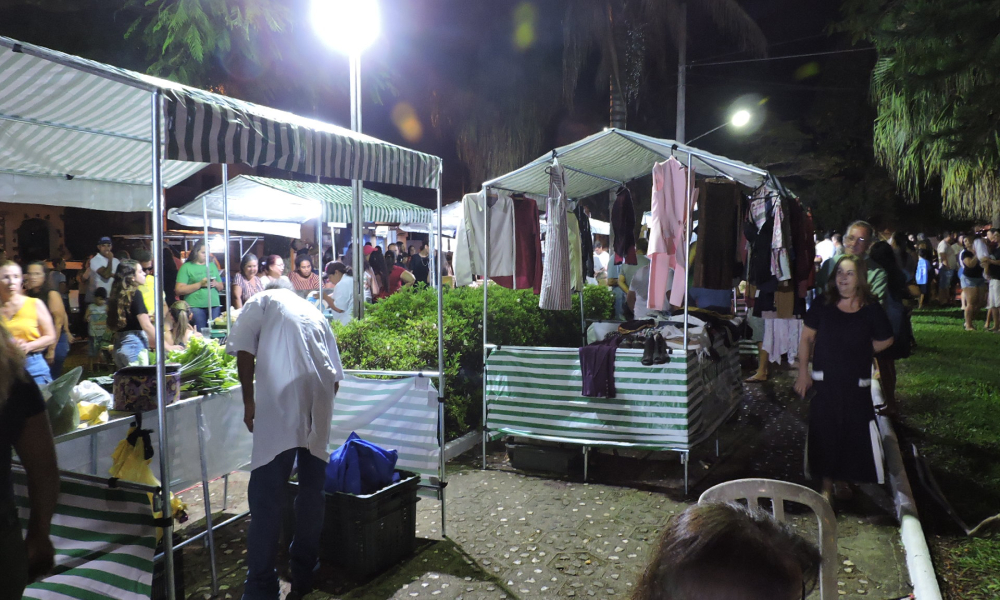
600, 162
276, 206
67, 118
451, 216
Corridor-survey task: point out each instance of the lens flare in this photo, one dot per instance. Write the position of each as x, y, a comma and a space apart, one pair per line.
404, 117
525, 24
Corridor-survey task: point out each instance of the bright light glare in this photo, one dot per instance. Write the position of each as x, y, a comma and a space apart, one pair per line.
216, 244
346, 25
740, 118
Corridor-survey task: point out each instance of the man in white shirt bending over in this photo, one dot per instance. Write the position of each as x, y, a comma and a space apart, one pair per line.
289, 415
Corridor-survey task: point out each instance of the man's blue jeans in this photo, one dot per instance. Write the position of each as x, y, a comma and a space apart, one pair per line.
267, 494
201, 316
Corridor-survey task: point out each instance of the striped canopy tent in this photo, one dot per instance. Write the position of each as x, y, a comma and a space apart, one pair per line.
278, 206
604, 160
74, 132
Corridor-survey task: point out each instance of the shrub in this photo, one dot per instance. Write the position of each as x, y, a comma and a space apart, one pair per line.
399, 333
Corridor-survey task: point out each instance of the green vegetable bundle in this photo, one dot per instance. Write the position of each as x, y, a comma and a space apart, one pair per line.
205, 367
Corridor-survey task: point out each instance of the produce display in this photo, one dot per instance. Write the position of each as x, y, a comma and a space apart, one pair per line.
205, 367
220, 321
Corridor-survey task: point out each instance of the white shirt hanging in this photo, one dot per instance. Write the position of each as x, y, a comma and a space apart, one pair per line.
468, 258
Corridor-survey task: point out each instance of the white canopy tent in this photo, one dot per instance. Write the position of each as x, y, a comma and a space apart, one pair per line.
278, 206
74, 132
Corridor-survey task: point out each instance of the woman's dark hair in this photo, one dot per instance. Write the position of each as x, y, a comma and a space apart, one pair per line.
832, 293
336, 267
194, 251
250, 257
301, 258
925, 251
270, 261
122, 291
723, 551
884, 255
42, 293
390, 261
377, 263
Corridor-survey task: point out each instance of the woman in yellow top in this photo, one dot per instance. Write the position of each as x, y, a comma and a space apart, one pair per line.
28, 321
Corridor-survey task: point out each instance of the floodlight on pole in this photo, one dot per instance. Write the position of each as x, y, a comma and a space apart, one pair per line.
740, 119
350, 26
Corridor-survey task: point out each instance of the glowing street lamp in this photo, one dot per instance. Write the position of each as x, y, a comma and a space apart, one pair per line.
350, 27
739, 119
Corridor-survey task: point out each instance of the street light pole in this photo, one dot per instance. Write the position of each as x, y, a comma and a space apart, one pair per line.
357, 191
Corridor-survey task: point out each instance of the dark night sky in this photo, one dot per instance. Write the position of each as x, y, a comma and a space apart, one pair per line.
447, 48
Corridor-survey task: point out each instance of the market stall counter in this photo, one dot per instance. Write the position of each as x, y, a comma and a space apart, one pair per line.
214, 420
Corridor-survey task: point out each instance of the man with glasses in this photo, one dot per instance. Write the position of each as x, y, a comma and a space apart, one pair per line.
859, 238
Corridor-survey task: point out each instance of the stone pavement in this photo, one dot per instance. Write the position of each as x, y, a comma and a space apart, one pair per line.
515, 535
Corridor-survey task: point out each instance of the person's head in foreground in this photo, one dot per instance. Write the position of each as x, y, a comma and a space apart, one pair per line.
727, 552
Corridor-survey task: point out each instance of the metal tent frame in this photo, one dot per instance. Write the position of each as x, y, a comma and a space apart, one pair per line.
599, 163
127, 134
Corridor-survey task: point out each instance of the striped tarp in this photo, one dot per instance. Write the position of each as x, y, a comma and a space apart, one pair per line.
399, 414
535, 393
64, 115
336, 202
617, 155
104, 541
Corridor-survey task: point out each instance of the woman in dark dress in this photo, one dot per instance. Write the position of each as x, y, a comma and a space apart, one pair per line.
841, 336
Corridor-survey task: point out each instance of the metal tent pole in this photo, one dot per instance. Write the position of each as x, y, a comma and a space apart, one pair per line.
319, 255
156, 115
440, 332
687, 254
357, 191
225, 255
208, 260
583, 319
486, 287
206, 497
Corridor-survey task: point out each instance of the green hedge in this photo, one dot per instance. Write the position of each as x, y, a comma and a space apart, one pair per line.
400, 334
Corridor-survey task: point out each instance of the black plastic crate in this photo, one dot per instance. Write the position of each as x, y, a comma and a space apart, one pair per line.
366, 534
159, 591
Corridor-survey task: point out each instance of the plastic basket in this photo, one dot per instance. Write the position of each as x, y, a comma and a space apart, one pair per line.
366, 534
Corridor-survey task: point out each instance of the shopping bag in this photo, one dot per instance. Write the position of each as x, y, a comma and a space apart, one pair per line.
130, 462
63, 413
360, 467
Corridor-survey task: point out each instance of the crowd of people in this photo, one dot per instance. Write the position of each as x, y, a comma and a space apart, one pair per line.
117, 302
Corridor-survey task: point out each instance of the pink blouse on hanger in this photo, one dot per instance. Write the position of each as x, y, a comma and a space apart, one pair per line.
667, 234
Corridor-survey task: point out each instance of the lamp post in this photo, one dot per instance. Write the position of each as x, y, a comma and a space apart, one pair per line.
739, 119
350, 26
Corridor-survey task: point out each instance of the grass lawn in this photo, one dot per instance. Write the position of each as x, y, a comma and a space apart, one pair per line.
949, 392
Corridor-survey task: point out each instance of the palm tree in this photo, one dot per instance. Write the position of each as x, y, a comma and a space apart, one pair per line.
629, 37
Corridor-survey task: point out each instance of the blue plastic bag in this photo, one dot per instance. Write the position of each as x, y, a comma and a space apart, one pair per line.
360, 467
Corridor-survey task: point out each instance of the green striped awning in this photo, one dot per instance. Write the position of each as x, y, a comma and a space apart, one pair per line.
104, 541
278, 206
72, 119
336, 199
599, 162
536, 393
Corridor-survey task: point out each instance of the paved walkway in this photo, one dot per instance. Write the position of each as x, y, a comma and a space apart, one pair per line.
514, 535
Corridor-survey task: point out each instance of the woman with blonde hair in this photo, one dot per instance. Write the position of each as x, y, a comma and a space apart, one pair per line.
128, 317
28, 321
180, 333
841, 336
24, 427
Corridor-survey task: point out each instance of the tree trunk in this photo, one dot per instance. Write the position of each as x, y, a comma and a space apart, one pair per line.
681, 75
995, 224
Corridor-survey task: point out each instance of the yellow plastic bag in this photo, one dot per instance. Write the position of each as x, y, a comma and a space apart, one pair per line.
92, 414
130, 462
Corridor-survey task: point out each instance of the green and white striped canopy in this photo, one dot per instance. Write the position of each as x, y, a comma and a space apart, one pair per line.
278, 206
70, 120
600, 162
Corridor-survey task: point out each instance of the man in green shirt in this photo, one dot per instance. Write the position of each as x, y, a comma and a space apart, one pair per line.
859, 238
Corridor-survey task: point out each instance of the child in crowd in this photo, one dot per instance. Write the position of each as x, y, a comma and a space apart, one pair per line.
924, 274
97, 325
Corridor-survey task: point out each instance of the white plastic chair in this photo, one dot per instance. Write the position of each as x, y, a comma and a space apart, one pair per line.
753, 490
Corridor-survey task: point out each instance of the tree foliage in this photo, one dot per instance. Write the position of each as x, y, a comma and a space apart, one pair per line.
934, 88
183, 35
